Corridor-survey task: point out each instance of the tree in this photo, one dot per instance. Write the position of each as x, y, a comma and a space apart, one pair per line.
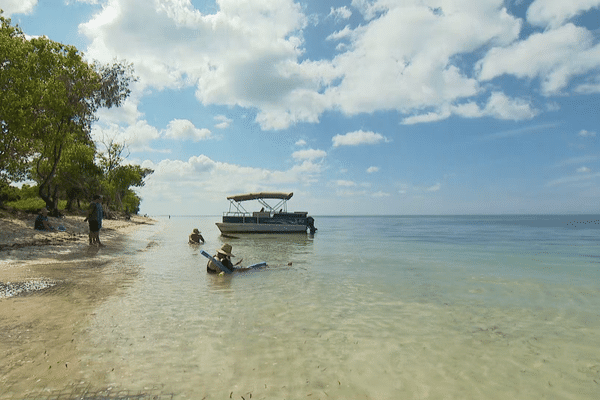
119, 178
50, 97
15, 99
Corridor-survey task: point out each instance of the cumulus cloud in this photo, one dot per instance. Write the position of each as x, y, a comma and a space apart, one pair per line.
222, 122
555, 12
433, 188
11, 7
406, 52
301, 142
340, 13
372, 170
344, 183
184, 129
357, 138
583, 170
200, 177
380, 194
137, 136
555, 56
309, 154
586, 133
590, 87
573, 179
406, 49
498, 106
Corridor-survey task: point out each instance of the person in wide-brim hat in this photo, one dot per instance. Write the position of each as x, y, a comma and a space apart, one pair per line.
226, 249
196, 237
224, 256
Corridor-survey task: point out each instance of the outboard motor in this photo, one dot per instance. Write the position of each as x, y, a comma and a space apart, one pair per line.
310, 222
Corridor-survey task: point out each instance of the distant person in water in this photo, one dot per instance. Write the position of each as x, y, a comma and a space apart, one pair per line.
224, 256
94, 219
41, 221
196, 237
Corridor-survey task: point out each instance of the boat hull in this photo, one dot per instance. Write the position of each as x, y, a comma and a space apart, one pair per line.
229, 227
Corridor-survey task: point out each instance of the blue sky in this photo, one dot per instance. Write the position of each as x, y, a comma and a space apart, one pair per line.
358, 106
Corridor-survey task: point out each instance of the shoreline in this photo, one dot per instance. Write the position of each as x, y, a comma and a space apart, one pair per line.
21, 246
50, 285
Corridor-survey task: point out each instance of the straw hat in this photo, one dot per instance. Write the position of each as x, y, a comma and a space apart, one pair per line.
226, 249
196, 231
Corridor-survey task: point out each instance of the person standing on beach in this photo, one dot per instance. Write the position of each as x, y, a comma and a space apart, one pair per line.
94, 219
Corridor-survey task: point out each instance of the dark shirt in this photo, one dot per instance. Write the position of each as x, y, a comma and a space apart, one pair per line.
213, 269
39, 222
96, 213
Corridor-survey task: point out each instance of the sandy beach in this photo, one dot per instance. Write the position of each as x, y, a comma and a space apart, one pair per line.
50, 283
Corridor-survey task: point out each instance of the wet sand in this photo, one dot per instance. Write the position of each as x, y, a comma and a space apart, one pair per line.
41, 330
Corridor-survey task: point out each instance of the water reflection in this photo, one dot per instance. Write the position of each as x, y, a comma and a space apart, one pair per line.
274, 249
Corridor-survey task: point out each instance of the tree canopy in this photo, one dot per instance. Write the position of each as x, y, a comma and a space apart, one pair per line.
49, 98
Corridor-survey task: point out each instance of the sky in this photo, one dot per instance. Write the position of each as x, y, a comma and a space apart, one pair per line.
359, 107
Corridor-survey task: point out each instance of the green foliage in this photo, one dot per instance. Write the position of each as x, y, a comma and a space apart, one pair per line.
8, 193
32, 204
49, 97
17, 93
131, 202
28, 192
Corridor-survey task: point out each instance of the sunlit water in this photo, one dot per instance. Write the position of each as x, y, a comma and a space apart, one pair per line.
371, 308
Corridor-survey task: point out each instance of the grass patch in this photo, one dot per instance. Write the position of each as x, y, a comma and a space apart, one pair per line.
32, 204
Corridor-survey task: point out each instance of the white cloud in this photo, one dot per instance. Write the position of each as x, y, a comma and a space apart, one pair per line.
340, 13
184, 129
222, 122
502, 107
573, 179
137, 136
590, 87
301, 143
583, 170
498, 106
357, 138
425, 118
344, 183
579, 160
11, 7
69, 2
175, 182
406, 49
585, 133
308, 154
554, 56
556, 12
380, 194
371, 170
339, 35
433, 188
402, 59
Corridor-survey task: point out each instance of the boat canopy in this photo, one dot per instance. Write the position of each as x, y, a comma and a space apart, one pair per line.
261, 195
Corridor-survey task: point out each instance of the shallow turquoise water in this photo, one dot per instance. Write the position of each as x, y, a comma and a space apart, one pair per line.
371, 307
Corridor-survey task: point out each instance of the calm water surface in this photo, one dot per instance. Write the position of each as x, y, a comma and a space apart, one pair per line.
371, 308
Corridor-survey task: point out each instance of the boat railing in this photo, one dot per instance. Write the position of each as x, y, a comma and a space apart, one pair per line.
237, 214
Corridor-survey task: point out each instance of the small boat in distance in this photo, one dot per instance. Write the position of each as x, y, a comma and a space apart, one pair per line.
270, 219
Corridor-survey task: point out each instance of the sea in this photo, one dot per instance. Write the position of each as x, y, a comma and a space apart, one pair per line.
369, 307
